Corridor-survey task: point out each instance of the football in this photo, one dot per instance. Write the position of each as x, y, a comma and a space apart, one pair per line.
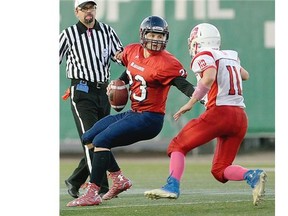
118, 95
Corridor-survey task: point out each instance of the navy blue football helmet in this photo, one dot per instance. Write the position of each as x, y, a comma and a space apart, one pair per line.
154, 24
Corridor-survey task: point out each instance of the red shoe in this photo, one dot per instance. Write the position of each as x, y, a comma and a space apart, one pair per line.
120, 184
90, 198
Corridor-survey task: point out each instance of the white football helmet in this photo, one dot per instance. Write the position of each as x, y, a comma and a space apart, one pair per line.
202, 36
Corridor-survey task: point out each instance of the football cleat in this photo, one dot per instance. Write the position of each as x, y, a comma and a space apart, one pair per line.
257, 180
169, 191
120, 184
89, 198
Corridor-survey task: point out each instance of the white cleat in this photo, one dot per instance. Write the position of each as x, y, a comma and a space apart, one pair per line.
160, 193
259, 189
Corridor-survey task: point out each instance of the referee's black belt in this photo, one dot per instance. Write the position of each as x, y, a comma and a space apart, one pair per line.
98, 85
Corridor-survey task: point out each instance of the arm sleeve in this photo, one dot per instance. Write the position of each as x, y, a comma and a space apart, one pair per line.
124, 77
116, 44
183, 85
63, 46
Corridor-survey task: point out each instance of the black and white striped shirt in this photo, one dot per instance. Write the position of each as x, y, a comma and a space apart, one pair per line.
88, 51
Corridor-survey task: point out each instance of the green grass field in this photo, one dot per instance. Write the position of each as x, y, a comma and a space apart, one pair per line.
201, 194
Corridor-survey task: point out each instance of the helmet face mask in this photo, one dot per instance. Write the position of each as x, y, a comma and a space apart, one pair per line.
154, 33
154, 41
203, 36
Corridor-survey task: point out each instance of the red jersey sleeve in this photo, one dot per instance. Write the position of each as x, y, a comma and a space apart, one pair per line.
128, 52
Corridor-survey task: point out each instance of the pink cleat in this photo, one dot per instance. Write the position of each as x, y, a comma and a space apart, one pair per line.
90, 198
120, 184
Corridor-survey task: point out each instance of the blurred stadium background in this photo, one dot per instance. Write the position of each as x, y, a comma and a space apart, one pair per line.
246, 26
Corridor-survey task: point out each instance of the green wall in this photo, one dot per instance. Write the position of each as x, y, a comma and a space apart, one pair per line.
245, 26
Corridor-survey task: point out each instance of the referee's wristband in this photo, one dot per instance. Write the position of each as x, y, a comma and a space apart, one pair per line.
200, 91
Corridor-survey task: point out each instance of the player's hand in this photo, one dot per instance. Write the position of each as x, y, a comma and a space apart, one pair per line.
108, 89
182, 110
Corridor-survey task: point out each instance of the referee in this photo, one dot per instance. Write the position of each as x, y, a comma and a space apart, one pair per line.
87, 47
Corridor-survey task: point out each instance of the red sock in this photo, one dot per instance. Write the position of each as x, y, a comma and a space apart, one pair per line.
235, 173
177, 165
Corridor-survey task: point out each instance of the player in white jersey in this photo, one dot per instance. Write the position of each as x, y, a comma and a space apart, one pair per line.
219, 76
228, 83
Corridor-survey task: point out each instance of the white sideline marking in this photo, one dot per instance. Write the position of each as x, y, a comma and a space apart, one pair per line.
158, 204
